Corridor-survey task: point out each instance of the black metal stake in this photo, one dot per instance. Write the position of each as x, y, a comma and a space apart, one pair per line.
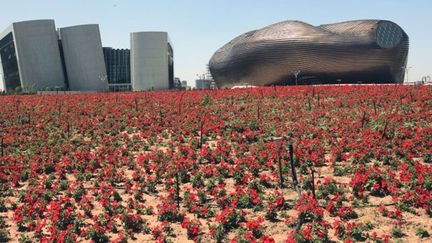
363, 119
178, 190
280, 166
384, 130
295, 181
201, 134
293, 171
2, 146
179, 107
374, 106
258, 111
313, 180
68, 129
160, 118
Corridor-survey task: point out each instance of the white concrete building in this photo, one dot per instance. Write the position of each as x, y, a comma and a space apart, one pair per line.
151, 61
2, 84
83, 57
30, 57
203, 83
34, 57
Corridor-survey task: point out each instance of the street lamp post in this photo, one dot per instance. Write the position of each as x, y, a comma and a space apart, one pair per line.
103, 78
406, 69
296, 73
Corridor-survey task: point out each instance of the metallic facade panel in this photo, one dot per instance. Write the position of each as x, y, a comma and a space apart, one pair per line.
203, 84
117, 62
37, 55
9, 66
83, 57
370, 51
151, 61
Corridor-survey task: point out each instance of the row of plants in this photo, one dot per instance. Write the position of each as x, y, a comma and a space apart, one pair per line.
294, 164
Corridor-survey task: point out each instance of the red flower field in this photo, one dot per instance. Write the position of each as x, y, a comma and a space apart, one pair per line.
216, 166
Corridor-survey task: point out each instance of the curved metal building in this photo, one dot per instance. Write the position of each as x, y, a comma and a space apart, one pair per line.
367, 51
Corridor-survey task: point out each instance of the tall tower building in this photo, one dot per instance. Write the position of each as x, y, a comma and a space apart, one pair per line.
84, 62
117, 62
152, 64
30, 57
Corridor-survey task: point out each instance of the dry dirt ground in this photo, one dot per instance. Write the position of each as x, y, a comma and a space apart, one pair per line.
367, 214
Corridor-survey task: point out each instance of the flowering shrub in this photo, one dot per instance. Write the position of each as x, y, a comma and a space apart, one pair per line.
167, 211
350, 231
193, 228
255, 227
275, 204
230, 218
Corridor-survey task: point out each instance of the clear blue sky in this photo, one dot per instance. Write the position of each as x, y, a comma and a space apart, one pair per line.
197, 28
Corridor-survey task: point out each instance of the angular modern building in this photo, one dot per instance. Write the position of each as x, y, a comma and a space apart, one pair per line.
35, 57
30, 57
84, 62
203, 84
2, 84
117, 62
152, 65
366, 51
